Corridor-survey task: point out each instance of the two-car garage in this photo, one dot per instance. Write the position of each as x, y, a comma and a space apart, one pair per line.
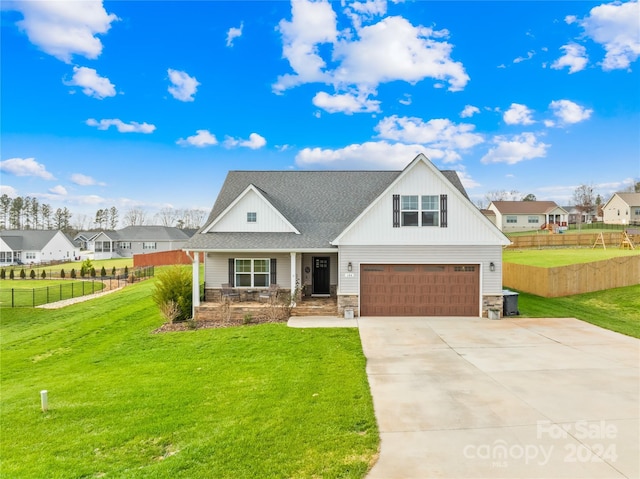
419, 290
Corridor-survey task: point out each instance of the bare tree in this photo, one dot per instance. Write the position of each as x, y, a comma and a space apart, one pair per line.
584, 199
190, 218
166, 217
82, 223
113, 218
135, 217
502, 195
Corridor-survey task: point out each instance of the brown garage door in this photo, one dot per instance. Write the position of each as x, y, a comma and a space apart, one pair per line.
419, 290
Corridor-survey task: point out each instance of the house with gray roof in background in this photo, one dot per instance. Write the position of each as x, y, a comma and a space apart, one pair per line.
401, 243
133, 240
622, 209
36, 247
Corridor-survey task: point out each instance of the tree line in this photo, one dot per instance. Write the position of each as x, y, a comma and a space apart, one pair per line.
27, 213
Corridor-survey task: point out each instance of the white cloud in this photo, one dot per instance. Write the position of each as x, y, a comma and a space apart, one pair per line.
84, 180
574, 57
393, 49
469, 111
515, 149
254, 142
529, 56
183, 86
436, 133
25, 167
312, 24
234, 33
615, 26
10, 191
348, 103
92, 84
369, 155
133, 127
64, 29
58, 190
359, 58
518, 114
406, 100
466, 179
569, 112
201, 139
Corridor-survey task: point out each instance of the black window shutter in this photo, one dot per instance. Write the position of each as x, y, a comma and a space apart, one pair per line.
274, 277
443, 211
396, 211
232, 273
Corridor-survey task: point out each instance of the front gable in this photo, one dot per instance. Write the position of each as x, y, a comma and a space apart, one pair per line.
465, 224
251, 212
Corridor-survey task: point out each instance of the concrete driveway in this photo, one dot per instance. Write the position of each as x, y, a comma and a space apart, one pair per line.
515, 398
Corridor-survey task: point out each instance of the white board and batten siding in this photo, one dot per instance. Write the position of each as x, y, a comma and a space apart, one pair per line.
268, 219
466, 225
490, 281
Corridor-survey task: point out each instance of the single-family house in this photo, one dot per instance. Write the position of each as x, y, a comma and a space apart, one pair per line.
385, 243
35, 246
131, 240
513, 216
622, 209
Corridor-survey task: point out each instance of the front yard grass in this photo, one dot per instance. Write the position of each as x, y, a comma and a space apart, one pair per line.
615, 309
549, 258
253, 401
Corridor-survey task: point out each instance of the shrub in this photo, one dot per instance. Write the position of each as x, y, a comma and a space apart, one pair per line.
32, 275
62, 273
12, 274
73, 273
43, 275
23, 273
3, 273
174, 285
126, 271
92, 272
113, 271
103, 272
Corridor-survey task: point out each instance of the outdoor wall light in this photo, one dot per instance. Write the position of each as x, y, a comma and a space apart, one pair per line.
349, 266
492, 266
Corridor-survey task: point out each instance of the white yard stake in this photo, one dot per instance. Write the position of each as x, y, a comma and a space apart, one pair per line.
44, 400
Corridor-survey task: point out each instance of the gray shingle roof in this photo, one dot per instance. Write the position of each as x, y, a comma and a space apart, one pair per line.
320, 204
148, 233
27, 240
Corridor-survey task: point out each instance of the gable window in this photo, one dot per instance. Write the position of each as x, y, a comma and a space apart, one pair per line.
420, 210
512, 219
533, 219
252, 273
252, 217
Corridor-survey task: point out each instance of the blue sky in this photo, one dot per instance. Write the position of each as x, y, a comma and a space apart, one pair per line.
148, 104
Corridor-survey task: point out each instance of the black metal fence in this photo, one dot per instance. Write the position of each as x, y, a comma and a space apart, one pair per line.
16, 297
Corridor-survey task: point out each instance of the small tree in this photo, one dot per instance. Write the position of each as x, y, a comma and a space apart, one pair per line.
23, 274
62, 273
83, 271
32, 275
103, 272
174, 285
126, 271
11, 274
93, 272
43, 275
3, 273
73, 273
114, 271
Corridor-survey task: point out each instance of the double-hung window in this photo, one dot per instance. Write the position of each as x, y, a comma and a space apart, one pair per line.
252, 273
420, 210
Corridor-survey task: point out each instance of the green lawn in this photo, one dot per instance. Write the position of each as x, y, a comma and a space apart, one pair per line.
615, 309
548, 258
253, 401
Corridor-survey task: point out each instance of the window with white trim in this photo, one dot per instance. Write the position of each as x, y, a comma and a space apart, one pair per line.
420, 210
30, 255
252, 273
512, 219
149, 245
534, 219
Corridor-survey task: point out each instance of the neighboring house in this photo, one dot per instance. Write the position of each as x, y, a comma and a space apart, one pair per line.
386, 243
578, 215
132, 240
622, 209
35, 246
512, 216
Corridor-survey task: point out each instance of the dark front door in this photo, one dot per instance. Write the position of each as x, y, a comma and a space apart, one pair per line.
321, 275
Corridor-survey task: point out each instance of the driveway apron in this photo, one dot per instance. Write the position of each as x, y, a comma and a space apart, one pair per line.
513, 398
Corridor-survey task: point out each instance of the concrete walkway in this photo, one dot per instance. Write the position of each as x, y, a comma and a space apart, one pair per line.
515, 398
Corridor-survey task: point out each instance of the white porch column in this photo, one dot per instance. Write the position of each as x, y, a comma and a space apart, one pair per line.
195, 278
293, 276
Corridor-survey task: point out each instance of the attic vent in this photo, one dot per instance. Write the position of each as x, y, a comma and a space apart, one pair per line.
252, 217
